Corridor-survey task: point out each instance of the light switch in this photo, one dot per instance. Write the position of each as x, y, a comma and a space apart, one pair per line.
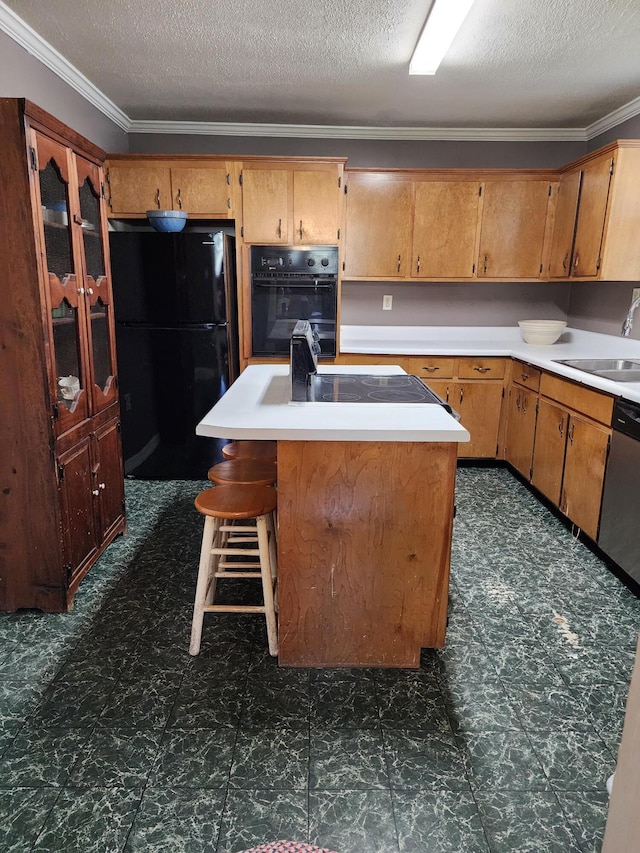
387, 303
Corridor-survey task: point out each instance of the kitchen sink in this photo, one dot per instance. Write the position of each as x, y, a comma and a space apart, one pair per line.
616, 369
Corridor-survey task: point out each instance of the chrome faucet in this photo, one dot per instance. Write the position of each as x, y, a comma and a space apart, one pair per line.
628, 323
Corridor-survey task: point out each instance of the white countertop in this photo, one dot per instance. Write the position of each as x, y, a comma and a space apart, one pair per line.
258, 405
498, 341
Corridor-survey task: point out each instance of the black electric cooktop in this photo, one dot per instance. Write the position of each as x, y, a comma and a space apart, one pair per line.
362, 388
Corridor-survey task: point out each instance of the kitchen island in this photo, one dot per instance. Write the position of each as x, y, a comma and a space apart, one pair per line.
365, 517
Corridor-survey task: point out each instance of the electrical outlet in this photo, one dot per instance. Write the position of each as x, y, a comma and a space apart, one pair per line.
636, 294
387, 303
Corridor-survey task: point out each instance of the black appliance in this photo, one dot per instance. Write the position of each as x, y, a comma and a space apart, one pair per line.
177, 343
289, 283
619, 535
309, 386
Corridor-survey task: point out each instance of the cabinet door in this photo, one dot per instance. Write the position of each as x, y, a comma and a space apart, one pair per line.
479, 404
97, 287
585, 462
202, 191
108, 476
564, 226
548, 453
62, 272
78, 508
594, 194
136, 188
378, 232
265, 205
316, 207
514, 217
521, 429
445, 228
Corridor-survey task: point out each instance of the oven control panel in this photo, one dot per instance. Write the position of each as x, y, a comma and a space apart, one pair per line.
310, 260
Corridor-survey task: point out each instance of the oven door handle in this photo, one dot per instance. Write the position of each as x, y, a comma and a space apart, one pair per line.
317, 285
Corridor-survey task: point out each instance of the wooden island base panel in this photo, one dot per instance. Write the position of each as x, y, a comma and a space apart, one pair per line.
364, 543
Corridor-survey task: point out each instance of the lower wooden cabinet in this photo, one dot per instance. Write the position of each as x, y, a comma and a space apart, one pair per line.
479, 405
522, 406
570, 455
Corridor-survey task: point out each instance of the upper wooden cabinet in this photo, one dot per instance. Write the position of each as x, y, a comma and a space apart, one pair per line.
202, 188
514, 219
428, 225
597, 217
292, 202
378, 229
445, 225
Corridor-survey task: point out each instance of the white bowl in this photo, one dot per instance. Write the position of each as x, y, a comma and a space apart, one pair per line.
541, 332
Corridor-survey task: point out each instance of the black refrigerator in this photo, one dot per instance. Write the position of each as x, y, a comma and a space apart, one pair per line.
177, 344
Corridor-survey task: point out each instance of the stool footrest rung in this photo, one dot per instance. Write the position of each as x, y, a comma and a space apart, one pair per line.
234, 608
230, 552
242, 575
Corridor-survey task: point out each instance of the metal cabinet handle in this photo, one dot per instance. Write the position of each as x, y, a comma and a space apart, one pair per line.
430, 369
518, 401
570, 435
461, 394
486, 261
90, 291
81, 290
158, 198
179, 199
102, 486
399, 259
447, 397
524, 405
575, 261
300, 229
279, 227
418, 265
561, 427
565, 261
95, 492
482, 369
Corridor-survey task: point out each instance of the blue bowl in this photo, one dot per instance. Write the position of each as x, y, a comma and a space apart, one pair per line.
167, 220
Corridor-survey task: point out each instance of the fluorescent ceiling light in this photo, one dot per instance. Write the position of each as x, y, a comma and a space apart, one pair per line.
443, 23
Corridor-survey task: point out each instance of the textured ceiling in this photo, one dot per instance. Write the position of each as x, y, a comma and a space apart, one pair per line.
514, 63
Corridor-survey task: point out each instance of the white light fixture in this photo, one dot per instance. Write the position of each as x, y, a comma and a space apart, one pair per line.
443, 23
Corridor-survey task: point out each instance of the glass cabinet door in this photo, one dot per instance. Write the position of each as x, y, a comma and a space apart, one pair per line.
65, 290
97, 285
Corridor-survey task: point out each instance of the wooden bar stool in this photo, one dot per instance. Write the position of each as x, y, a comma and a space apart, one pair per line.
224, 508
267, 450
244, 472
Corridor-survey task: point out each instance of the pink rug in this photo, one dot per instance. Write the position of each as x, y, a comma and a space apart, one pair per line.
287, 847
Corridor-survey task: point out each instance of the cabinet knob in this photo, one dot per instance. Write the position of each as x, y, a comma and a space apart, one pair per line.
95, 492
81, 290
101, 486
524, 376
90, 291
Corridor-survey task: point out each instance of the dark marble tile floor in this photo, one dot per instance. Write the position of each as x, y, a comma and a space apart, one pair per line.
112, 738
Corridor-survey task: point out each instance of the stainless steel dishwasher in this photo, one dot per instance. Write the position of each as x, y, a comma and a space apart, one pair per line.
620, 518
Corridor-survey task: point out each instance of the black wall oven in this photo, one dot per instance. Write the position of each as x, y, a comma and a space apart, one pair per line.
291, 283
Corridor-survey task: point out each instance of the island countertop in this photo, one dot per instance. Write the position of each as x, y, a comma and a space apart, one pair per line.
258, 406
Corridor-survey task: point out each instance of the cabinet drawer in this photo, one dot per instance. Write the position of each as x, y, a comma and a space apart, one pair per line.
525, 374
373, 360
481, 368
591, 403
430, 367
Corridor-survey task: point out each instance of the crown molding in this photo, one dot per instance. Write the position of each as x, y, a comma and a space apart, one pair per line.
321, 131
34, 44
630, 110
